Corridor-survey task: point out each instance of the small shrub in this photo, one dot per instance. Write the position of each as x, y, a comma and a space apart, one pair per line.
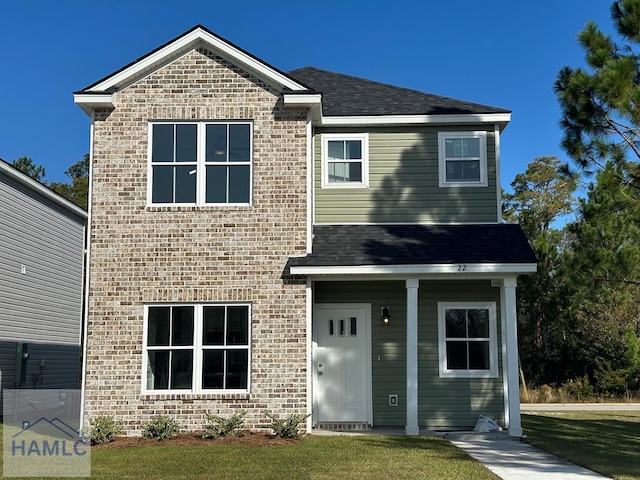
103, 429
611, 382
223, 427
287, 427
546, 394
161, 428
577, 390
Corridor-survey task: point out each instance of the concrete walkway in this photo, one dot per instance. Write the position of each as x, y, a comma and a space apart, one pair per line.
516, 460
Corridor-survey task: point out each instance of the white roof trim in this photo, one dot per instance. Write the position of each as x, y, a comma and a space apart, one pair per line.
416, 119
228, 51
450, 269
91, 101
29, 182
302, 99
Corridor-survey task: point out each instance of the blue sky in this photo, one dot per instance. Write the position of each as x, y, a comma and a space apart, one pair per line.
502, 53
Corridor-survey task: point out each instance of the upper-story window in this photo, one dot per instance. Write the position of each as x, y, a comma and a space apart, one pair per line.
462, 159
345, 160
200, 163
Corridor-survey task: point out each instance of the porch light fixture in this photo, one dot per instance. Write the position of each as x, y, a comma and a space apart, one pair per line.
386, 316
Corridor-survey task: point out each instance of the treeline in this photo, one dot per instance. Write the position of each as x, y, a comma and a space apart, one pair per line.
579, 315
76, 190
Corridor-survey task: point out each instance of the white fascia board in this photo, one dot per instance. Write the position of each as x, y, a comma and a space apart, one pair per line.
302, 99
234, 54
41, 189
450, 269
499, 118
91, 101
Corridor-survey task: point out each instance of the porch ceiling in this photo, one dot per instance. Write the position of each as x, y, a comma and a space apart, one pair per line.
368, 246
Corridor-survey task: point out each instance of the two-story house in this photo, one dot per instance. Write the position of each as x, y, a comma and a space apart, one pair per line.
301, 242
41, 283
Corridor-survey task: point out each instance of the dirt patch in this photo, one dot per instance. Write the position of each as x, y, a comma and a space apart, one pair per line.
195, 439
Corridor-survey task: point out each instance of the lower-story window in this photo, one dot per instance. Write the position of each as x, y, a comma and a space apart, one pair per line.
467, 340
197, 348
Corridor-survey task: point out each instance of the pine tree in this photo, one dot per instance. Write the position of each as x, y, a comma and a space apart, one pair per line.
601, 104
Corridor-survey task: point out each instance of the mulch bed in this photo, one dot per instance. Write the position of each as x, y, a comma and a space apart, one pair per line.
195, 439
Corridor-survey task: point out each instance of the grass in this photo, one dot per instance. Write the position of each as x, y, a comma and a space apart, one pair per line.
606, 442
312, 458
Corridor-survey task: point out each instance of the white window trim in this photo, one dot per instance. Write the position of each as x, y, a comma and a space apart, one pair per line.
493, 341
200, 165
197, 348
364, 138
442, 160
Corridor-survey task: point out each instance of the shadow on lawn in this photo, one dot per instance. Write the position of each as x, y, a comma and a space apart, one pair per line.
608, 446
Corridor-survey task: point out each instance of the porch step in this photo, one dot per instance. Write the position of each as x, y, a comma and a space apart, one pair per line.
345, 426
472, 435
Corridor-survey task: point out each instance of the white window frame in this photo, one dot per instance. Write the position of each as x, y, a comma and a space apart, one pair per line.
200, 164
493, 340
197, 347
364, 139
443, 160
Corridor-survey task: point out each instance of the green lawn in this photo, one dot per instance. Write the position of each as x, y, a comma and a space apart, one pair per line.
313, 458
606, 442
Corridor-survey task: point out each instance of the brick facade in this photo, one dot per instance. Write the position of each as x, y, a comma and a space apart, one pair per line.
150, 254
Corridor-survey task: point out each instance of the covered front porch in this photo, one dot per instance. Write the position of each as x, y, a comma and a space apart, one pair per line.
420, 344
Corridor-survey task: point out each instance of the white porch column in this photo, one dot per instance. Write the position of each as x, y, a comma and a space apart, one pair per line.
510, 363
411, 427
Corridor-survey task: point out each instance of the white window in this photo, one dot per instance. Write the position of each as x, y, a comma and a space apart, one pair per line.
197, 348
467, 342
462, 159
345, 160
200, 163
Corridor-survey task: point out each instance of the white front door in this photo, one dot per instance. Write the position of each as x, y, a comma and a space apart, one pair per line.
342, 362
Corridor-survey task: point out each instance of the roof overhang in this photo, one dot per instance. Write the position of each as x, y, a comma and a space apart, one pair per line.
302, 99
91, 101
501, 119
453, 270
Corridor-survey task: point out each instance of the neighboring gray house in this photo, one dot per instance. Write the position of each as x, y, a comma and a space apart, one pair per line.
41, 284
301, 242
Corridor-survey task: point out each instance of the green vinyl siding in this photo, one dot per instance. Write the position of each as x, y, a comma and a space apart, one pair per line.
444, 403
454, 403
403, 183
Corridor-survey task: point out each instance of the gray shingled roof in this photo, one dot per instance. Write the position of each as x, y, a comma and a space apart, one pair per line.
353, 245
344, 95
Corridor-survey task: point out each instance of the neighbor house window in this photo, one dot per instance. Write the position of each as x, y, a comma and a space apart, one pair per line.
462, 159
200, 163
197, 348
467, 339
345, 160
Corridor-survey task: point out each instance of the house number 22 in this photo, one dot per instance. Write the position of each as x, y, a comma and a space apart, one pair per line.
462, 268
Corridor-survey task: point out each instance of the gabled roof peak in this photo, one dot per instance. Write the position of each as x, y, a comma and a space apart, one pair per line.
98, 94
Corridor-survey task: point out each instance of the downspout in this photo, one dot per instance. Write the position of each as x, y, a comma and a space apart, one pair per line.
309, 289
310, 177
496, 139
87, 273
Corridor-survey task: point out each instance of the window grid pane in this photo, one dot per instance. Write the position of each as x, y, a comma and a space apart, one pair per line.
162, 147
463, 170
